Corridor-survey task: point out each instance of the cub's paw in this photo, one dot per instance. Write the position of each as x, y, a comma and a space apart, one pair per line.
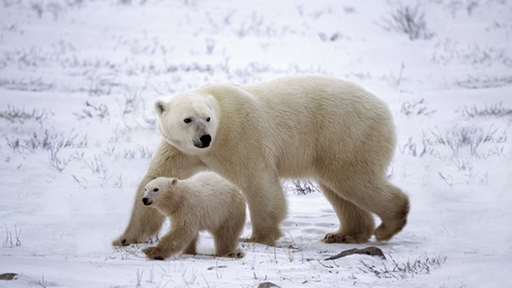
237, 254
260, 240
154, 253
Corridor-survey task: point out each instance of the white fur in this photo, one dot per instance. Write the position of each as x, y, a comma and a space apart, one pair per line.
198, 110
205, 201
323, 128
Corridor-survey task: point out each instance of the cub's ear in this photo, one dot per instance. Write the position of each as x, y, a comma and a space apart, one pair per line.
173, 181
210, 100
159, 107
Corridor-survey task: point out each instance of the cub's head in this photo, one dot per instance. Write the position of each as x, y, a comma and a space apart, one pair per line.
158, 190
188, 122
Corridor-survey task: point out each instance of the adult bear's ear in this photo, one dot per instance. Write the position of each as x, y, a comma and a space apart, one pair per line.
159, 107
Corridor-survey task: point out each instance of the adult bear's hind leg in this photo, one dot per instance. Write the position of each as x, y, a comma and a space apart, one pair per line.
356, 224
395, 218
380, 197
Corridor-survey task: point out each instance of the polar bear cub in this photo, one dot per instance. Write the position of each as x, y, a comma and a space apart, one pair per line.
205, 201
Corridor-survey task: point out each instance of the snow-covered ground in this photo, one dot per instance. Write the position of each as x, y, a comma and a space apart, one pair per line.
78, 79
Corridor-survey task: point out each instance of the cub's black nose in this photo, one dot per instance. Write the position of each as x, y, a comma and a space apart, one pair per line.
206, 140
145, 201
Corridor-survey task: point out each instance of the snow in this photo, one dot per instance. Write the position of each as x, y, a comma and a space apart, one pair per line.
77, 84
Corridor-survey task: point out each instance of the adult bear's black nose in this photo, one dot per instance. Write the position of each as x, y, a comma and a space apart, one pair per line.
205, 140
145, 201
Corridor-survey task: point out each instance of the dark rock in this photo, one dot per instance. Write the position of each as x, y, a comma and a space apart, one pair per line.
372, 251
8, 276
267, 285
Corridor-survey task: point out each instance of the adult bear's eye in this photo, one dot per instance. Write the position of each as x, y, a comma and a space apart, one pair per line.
155, 190
187, 120
208, 119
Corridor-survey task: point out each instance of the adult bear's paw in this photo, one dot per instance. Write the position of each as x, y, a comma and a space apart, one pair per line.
124, 240
344, 238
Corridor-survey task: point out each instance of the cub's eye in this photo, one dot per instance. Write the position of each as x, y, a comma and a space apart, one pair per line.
208, 119
155, 190
145, 189
187, 120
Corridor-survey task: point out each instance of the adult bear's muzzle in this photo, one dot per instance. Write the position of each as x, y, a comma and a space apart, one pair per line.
204, 141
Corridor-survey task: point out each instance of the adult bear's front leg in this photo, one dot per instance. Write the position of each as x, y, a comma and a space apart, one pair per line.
267, 207
144, 221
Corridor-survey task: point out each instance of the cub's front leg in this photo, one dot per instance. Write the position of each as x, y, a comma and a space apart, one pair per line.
156, 253
172, 243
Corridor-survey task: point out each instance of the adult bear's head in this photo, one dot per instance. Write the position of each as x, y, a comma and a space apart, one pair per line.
188, 122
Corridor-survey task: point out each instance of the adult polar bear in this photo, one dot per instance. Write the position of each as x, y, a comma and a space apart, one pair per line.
310, 126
